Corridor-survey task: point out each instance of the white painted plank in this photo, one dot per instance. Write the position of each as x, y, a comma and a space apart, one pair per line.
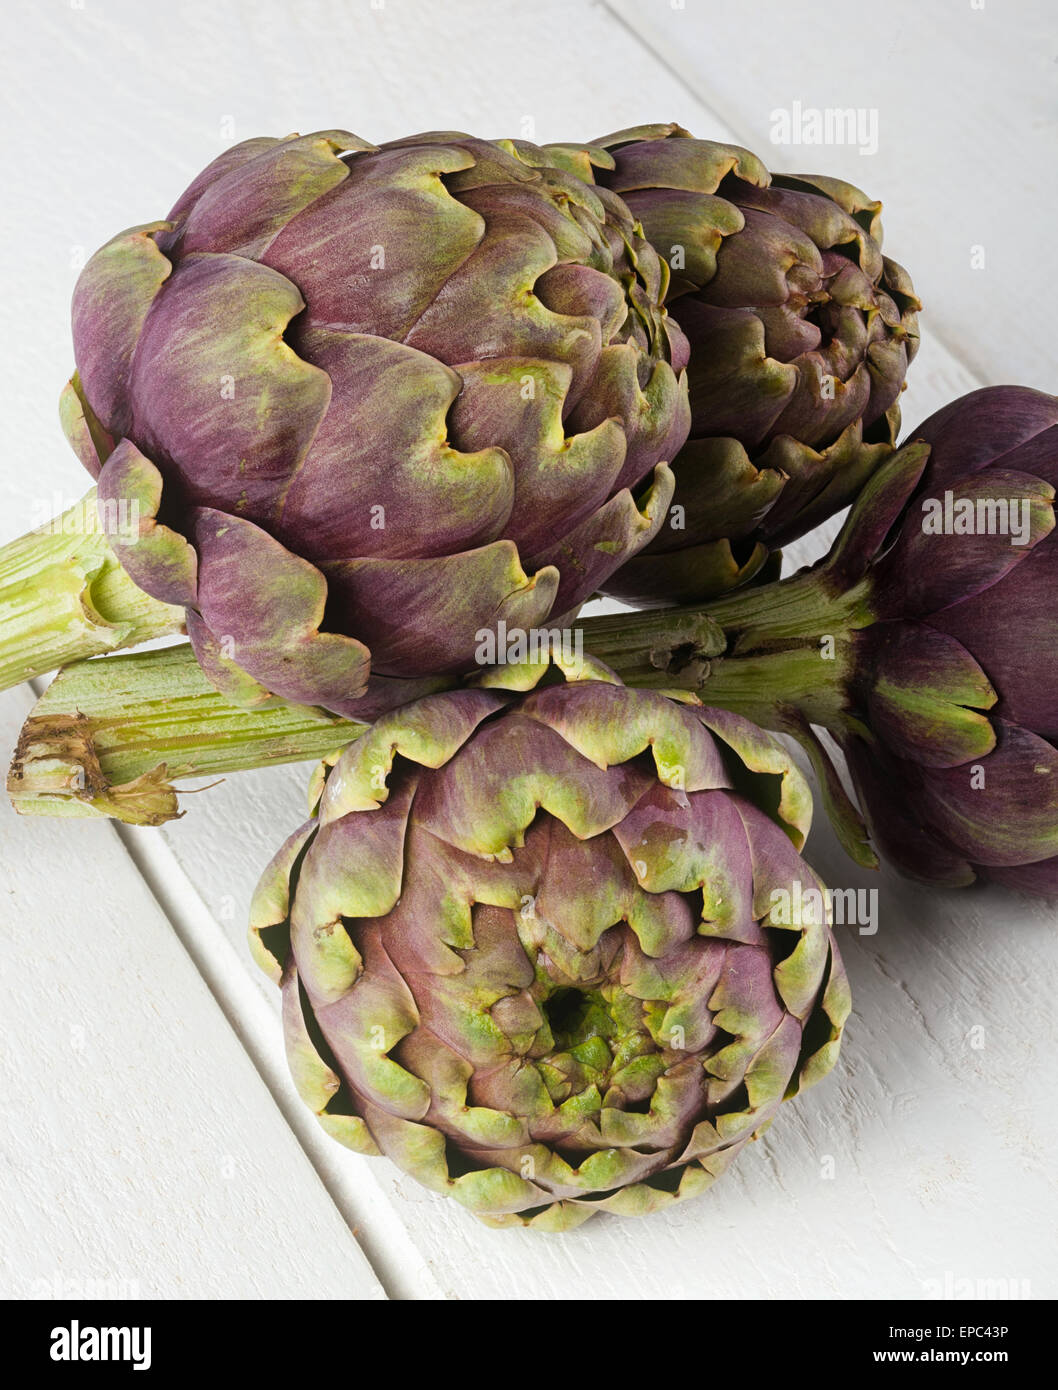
142, 1155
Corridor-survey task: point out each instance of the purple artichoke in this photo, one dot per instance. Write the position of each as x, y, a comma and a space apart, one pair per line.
541, 954
367, 402
924, 643
801, 333
957, 679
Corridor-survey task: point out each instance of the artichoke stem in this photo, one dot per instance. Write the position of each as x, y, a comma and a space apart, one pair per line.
666, 649
806, 608
771, 687
108, 738
766, 653
64, 596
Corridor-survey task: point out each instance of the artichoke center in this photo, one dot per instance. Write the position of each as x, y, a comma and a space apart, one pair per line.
577, 1015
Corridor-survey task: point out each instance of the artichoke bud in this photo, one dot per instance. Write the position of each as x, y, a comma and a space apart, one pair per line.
573, 1016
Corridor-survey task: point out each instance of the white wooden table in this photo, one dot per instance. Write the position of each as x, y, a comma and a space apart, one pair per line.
150, 1142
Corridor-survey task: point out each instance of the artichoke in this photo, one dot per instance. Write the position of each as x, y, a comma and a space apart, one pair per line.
924, 643
363, 403
800, 331
543, 954
957, 679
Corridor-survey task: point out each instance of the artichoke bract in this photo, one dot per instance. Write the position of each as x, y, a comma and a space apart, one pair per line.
541, 952
363, 403
801, 332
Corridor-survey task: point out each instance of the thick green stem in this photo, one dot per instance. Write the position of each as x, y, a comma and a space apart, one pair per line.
760, 652
808, 679
806, 608
64, 596
666, 649
109, 737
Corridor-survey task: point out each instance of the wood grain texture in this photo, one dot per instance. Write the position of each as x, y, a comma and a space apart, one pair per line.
924, 1159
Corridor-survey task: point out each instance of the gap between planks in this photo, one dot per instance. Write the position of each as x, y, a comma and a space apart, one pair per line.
369, 1213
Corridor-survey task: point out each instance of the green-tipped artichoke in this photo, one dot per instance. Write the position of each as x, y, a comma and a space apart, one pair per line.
545, 956
800, 332
351, 406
